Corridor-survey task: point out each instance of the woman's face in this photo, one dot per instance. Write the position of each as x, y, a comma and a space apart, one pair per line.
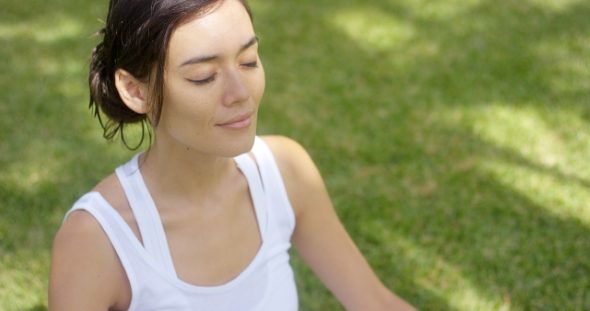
214, 81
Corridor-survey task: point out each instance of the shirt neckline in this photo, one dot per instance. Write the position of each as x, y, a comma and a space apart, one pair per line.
173, 278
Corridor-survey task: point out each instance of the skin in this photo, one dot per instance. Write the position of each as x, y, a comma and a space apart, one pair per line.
214, 83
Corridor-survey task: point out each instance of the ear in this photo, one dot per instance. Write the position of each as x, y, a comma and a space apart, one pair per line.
132, 91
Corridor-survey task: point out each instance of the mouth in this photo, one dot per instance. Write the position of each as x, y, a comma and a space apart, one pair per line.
239, 122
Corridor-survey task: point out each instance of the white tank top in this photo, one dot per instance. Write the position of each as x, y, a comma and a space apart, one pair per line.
266, 284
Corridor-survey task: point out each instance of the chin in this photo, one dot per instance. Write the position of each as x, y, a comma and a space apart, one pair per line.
236, 146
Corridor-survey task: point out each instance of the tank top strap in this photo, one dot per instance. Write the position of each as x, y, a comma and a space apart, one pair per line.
272, 180
119, 234
263, 156
146, 214
250, 170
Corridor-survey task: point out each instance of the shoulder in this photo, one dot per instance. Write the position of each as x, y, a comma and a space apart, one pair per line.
86, 272
84, 264
81, 237
301, 177
293, 161
78, 228
288, 153
81, 227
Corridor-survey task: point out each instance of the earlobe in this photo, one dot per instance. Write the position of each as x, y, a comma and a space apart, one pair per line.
132, 91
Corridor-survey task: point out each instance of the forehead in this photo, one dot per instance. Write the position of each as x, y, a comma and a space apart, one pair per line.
225, 27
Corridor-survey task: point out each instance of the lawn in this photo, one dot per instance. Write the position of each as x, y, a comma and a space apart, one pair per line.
453, 136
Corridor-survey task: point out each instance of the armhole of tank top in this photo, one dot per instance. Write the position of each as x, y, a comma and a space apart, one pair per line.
271, 176
105, 223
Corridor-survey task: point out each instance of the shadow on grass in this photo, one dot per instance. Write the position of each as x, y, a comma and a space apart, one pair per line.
409, 186
505, 244
400, 165
51, 151
38, 308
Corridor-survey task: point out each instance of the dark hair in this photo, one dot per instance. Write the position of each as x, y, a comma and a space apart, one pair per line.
135, 38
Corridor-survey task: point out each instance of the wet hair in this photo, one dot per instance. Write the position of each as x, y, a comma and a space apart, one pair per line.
135, 38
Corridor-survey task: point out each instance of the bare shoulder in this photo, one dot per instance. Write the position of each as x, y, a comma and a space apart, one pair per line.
290, 156
81, 237
82, 231
301, 177
84, 265
292, 159
86, 273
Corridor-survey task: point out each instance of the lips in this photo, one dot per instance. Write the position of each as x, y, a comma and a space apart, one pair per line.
240, 121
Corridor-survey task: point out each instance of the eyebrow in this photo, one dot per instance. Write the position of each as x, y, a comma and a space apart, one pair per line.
206, 58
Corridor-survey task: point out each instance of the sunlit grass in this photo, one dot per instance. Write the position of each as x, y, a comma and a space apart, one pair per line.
45, 152
45, 31
520, 129
20, 285
454, 137
380, 31
556, 5
555, 174
440, 9
464, 115
442, 279
560, 195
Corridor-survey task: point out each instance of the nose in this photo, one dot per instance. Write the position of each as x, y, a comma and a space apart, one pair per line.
235, 88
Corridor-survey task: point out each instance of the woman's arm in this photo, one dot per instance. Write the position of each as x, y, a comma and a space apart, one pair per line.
321, 239
86, 273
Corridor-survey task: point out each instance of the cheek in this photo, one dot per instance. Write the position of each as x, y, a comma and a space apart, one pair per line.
259, 86
186, 106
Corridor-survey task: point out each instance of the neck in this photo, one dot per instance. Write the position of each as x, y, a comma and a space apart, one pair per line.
181, 173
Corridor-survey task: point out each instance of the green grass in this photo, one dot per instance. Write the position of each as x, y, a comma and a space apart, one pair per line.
453, 135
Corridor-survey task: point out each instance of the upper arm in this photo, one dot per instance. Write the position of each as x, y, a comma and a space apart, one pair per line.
320, 237
86, 273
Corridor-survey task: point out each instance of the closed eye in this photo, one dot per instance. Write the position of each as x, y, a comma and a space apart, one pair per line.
203, 81
251, 65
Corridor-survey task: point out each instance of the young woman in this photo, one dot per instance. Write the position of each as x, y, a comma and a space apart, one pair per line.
204, 218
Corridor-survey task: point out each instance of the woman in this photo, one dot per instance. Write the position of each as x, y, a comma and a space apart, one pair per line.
204, 218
